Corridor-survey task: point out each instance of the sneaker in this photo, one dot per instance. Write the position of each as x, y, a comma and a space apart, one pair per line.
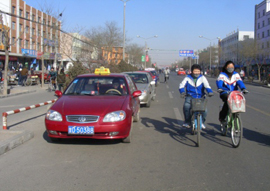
203, 126
186, 125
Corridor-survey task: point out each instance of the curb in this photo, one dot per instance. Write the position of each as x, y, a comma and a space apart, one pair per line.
16, 138
26, 92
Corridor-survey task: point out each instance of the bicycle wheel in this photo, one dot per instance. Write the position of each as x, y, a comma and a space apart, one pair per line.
28, 82
192, 125
236, 131
224, 126
198, 129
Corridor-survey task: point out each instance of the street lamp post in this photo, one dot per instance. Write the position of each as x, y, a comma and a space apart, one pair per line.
124, 32
138, 36
210, 49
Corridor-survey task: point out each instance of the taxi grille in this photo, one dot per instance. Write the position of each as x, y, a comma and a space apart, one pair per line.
82, 118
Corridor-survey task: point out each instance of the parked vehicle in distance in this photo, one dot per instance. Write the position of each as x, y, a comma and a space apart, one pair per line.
155, 73
144, 82
181, 71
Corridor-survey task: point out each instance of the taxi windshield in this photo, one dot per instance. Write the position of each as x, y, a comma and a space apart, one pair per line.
139, 78
97, 86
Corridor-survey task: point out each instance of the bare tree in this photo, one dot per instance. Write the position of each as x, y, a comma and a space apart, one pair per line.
135, 52
106, 37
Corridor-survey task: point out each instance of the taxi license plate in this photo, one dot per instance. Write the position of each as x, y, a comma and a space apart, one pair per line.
80, 130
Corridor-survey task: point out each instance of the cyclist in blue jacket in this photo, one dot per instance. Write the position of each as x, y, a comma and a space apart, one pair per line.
227, 81
194, 86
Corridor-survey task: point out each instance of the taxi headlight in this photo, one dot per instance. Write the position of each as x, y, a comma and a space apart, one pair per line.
54, 116
115, 116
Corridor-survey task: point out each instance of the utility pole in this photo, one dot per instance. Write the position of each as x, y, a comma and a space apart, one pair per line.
5, 32
124, 32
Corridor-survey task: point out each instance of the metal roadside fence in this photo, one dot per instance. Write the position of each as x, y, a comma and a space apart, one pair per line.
5, 114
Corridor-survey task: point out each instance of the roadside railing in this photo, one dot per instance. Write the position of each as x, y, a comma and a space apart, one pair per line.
5, 114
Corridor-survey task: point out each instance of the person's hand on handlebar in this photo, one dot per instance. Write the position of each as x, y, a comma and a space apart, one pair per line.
183, 95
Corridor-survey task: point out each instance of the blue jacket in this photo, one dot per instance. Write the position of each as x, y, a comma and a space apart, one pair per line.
195, 90
227, 84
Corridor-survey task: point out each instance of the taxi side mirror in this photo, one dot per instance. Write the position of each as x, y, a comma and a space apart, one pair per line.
137, 93
152, 82
58, 93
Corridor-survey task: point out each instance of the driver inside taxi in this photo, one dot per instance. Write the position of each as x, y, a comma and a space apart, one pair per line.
117, 86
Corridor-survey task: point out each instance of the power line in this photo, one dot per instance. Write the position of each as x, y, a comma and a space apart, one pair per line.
13, 15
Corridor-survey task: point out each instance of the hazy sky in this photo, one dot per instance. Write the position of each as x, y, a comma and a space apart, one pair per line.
178, 23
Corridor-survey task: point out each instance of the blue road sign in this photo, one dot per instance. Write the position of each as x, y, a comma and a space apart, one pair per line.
186, 53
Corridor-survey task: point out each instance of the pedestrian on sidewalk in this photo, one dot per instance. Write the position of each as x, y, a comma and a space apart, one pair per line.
24, 74
1, 74
252, 75
61, 79
19, 76
52, 76
166, 74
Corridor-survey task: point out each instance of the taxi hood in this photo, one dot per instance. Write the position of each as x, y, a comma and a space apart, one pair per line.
89, 105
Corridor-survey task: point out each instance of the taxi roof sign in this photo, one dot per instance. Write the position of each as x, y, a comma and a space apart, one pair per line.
102, 71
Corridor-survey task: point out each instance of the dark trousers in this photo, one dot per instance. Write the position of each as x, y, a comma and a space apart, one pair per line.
60, 86
24, 78
187, 111
224, 111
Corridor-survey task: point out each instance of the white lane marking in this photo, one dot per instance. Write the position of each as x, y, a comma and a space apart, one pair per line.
167, 86
170, 95
178, 116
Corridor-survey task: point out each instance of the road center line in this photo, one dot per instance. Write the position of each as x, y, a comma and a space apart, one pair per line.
178, 116
167, 86
170, 95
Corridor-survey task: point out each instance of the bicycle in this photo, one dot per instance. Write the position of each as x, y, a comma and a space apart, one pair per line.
237, 104
27, 81
198, 106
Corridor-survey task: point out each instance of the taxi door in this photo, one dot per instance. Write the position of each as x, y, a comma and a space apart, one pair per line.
135, 102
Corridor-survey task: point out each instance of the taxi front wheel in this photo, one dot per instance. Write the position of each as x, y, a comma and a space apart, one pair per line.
128, 138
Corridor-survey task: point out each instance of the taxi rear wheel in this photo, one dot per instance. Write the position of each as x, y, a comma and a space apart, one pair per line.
128, 138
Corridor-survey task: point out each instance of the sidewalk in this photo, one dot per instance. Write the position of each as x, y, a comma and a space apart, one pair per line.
18, 90
10, 139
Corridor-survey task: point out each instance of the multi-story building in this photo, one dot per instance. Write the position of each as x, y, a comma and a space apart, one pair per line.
75, 47
230, 46
262, 30
113, 55
32, 34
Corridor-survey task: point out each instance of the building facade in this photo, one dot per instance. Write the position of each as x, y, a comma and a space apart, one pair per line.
76, 47
262, 30
32, 34
229, 47
113, 55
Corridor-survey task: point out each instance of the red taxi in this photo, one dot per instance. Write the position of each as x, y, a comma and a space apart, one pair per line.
96, 106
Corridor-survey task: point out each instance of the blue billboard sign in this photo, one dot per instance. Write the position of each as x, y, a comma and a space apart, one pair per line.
186, 53
29, 52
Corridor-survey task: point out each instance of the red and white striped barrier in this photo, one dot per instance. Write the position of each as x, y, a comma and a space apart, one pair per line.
5, 114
